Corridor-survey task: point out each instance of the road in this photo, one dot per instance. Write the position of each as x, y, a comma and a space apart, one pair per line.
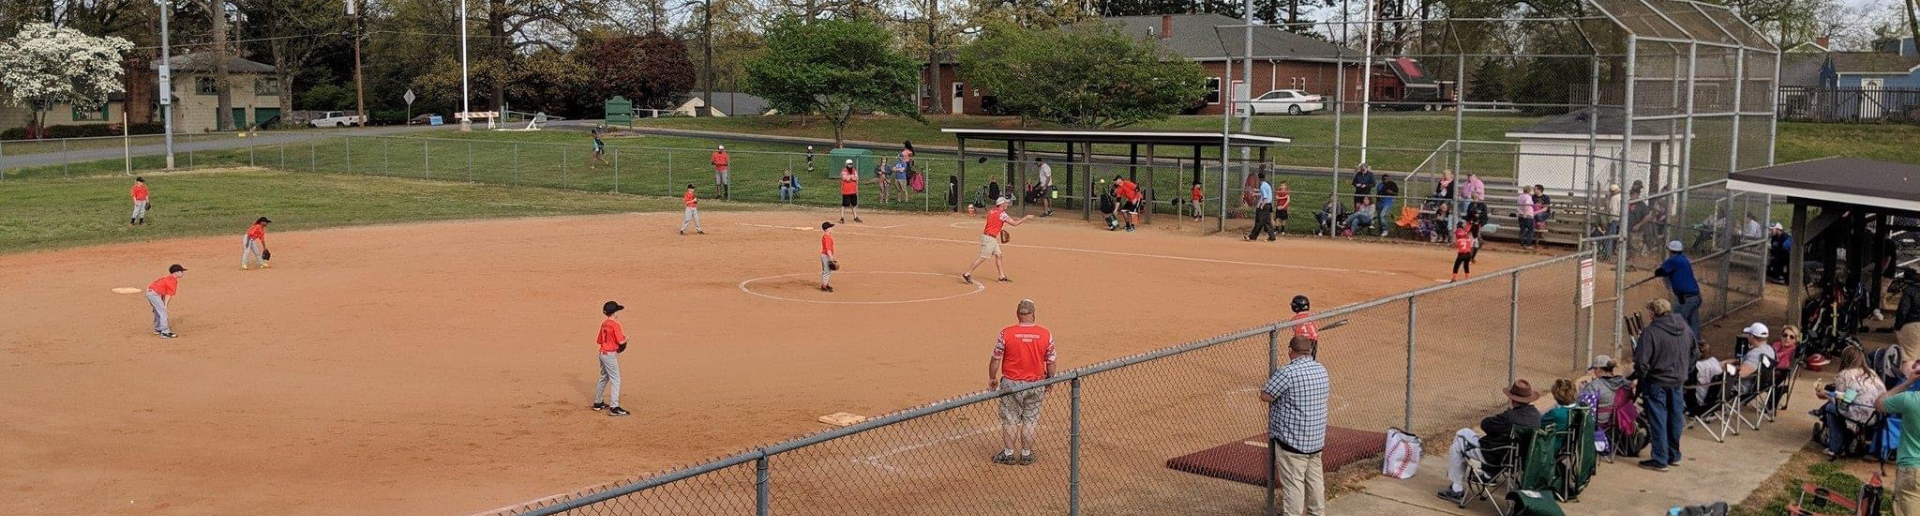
150, 145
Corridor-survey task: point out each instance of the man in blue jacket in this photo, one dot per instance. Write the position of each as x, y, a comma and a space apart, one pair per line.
1678, 270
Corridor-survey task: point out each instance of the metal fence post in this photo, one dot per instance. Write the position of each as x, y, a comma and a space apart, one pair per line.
313, 156
469, 168
349, 142
616, 171
3, 162
1273, 350
1513, 326
250, 161
65, 162
563, 166
1412, 323
386, 168
669, 173
426, 158
1073, 448
516, 163
762, 486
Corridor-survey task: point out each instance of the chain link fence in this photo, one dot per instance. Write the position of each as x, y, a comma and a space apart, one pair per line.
1430, 361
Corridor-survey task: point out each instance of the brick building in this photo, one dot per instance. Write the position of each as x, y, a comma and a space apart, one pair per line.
1281, 60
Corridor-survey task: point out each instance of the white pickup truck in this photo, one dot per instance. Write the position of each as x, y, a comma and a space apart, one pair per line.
334, 119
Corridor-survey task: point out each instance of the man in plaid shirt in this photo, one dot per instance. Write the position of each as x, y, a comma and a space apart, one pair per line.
1297, 429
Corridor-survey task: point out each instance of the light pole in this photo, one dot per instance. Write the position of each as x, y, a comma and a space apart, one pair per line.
166, 80
466, 120
706, 32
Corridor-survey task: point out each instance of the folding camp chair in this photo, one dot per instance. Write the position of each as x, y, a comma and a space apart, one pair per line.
1718, 411
1575, 461
1756, 394
1487, 481
1865, 503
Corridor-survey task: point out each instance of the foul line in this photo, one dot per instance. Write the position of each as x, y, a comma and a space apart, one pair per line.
875, 459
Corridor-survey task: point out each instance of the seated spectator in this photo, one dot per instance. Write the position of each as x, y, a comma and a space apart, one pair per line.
1605, 382
1493, 449
1562, 412
1332, 216
1362, 218
1758, 352
1706, 371
787, 185
1855, 391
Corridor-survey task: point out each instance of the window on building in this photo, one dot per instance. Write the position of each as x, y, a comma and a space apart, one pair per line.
93, 115
266, 86
1213, 90
204, 86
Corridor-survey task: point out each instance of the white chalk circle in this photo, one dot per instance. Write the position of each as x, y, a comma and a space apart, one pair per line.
747, 287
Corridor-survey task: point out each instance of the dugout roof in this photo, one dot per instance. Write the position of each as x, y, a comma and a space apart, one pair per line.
1171, 138
1837, 181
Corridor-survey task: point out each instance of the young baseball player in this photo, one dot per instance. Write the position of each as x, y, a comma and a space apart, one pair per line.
160, 295
692, 214
254, 247
1282, 199
612, 341
722, 177
997, 219
1462, 244
1302, 310
849, 192
139, 202
827, 264
1130, 197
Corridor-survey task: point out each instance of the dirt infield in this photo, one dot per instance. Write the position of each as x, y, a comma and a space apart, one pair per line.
446, 368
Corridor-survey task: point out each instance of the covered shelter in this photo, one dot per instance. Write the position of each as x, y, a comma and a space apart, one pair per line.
1079, 151
1862, 205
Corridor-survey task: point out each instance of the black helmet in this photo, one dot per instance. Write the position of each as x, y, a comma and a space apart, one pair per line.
1300, 304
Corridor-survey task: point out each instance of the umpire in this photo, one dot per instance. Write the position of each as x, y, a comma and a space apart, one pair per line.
1263, 214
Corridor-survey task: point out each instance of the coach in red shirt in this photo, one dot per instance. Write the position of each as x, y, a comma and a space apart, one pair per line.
1022, 357
612, 341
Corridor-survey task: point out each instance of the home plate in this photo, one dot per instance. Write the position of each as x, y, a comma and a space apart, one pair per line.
842, 419
126, 290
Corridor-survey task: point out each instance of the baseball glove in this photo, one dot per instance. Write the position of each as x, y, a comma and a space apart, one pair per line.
833, 265
266, 255
1006, 236
623, 348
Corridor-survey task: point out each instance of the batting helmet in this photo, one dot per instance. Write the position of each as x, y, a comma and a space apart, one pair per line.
1300, 304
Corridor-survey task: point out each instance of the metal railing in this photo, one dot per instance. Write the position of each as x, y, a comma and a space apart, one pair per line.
1109, 449
1855, 105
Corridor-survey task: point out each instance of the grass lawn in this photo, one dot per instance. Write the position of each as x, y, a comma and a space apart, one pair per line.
52, 213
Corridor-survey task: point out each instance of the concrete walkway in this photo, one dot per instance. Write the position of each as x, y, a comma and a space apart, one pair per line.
1711, 472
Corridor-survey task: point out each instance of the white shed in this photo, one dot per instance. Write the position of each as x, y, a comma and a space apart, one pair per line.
1553, 152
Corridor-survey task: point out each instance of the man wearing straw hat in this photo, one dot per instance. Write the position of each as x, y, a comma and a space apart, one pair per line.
1492, 450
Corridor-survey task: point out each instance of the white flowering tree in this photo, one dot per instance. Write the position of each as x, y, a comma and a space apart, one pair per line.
43, 66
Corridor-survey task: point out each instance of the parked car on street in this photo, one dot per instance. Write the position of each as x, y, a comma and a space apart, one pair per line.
334, 119
1292, 102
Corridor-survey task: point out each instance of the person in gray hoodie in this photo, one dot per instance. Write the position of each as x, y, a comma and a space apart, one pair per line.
1661, 356
1605, 382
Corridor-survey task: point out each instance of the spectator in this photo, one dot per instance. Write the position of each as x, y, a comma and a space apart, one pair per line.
1610, 219
1906, 318
809, 159
1561, 414
1779, 253
1297, 429
1759, 352
1471, 188
1362, 219
1752, 231
1855, 391
1493, 449
1706, 370
1444, 189
1542, 206
903, 171
1389, 191
1262, 212
1330, 217
1637, 223
1678, 270
1525, 219
1023, 356
882, 180
787, 185
1906, 473
1605, 382
1706, 230
1363, 181
1660, 358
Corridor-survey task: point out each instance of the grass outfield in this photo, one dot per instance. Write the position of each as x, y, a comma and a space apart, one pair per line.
53, 213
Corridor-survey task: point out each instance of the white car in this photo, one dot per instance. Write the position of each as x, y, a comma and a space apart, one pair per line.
1292, 102
334, 119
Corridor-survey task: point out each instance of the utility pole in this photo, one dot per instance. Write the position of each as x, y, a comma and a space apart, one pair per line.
1246, 80
166, 80
933, 59
706, 29
359, 86
466, 109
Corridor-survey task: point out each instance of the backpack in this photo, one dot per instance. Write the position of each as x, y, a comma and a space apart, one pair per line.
1886, 363
918, 181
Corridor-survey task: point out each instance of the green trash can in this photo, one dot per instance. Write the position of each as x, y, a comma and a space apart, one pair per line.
837, 159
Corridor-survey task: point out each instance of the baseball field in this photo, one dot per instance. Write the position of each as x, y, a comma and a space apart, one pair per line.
444, 366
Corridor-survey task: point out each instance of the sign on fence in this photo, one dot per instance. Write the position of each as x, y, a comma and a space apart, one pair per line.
1586, 283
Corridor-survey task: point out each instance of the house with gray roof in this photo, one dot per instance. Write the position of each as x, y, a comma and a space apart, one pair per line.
1281, 60
1852, 86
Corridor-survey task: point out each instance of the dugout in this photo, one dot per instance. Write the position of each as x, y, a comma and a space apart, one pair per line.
1072, 177
1864, 208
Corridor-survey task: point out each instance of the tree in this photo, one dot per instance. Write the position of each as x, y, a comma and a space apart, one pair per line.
43, 65
290, 27
222, 81
1089, 76
1488, 82
652, 70
834, 68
